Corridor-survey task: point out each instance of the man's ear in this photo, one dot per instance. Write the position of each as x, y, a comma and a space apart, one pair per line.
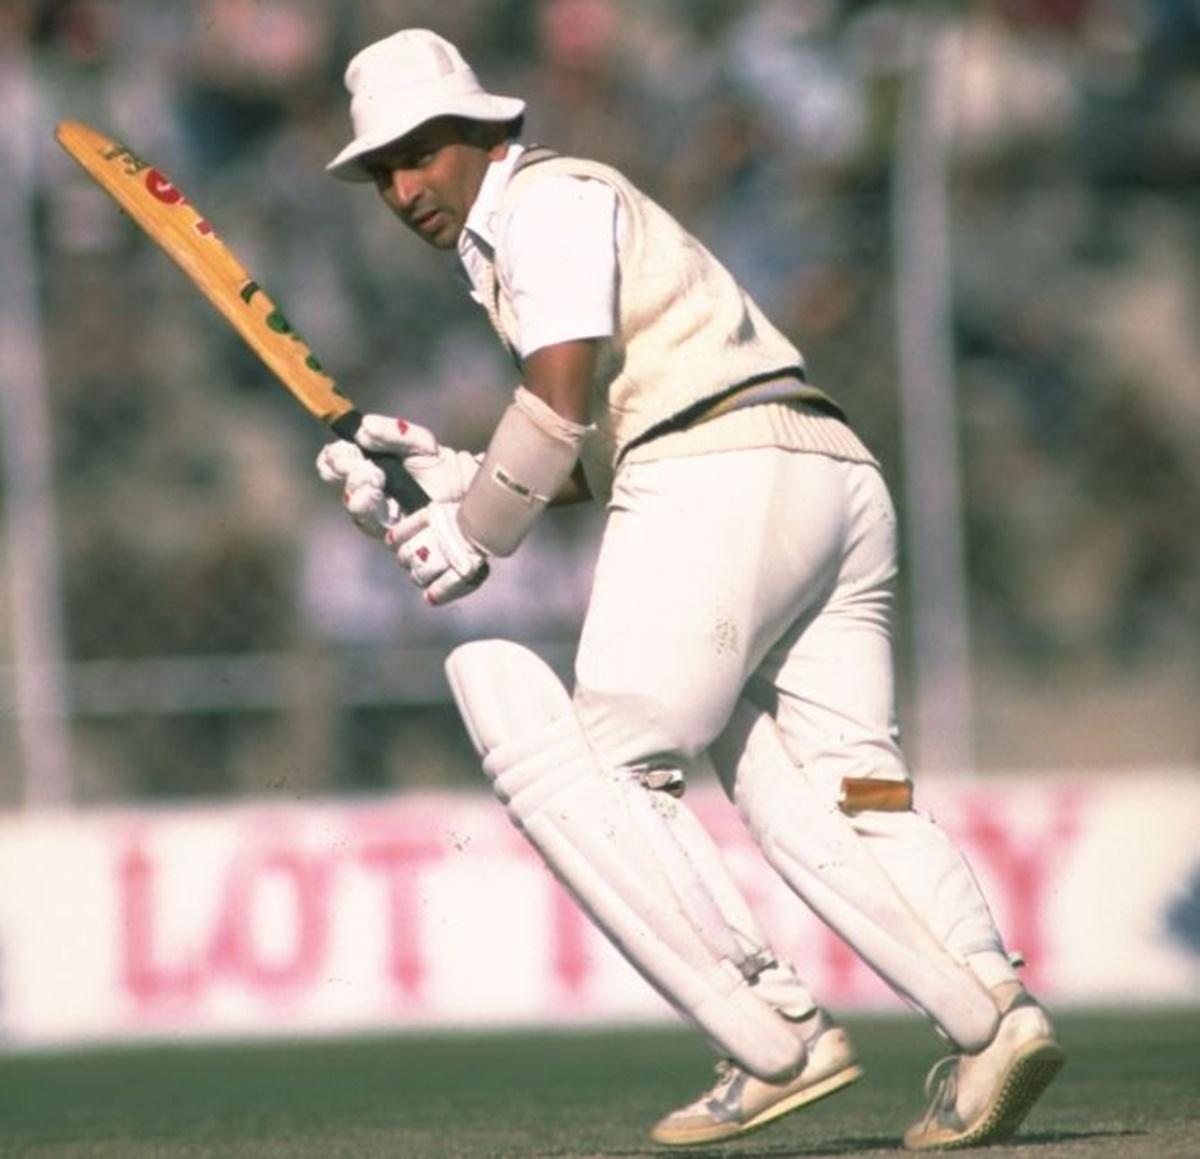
492, 138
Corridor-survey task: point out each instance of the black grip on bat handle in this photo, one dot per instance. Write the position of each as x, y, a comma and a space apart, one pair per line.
398, 483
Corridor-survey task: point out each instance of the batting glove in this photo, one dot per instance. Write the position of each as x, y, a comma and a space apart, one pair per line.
441, 560
443, 473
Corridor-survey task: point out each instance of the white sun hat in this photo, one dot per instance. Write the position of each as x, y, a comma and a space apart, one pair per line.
404, 80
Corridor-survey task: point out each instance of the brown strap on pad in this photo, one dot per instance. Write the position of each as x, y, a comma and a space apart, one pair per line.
871, 794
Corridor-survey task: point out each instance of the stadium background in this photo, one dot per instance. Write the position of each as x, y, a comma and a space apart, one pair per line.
195, 642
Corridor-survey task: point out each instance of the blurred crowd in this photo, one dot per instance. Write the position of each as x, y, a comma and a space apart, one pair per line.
192, 525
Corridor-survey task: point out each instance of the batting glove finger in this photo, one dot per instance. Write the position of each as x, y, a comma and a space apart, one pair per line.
431, 547
395, 436
451, 586
337, 460
421, 557
372, 510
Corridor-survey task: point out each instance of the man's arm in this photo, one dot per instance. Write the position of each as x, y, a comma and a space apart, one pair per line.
561, 376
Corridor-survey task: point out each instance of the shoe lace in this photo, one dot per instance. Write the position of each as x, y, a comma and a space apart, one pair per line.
941, 1087
727, 1073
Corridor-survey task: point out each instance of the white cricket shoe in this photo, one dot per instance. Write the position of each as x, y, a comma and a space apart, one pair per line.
739, 1103
978, 1099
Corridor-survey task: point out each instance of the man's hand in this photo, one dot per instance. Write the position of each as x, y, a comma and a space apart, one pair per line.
442, 561
443, 473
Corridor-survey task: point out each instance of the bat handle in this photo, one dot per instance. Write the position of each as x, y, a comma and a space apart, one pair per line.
398, 483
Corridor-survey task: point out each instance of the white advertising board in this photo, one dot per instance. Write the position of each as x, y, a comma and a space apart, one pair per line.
430, 911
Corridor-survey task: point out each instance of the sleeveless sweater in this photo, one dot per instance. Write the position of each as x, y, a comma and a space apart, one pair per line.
694, 365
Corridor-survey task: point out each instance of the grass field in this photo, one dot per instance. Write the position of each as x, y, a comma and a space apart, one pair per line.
1131, 1088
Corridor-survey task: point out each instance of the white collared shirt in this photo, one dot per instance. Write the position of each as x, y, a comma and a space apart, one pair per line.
556, 250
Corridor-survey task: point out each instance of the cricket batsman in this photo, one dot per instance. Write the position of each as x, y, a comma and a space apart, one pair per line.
741, 607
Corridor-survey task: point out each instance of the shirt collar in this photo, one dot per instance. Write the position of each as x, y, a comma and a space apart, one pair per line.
480, 227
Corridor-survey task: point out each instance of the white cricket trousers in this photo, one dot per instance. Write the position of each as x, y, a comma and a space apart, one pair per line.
766, 573
764, 570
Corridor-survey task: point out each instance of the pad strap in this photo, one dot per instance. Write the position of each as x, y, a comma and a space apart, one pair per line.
874, 794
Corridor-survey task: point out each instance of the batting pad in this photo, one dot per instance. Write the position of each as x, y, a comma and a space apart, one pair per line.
716, 907
814, 847
599, 833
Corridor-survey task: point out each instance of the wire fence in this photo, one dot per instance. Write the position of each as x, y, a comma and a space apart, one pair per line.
226, 631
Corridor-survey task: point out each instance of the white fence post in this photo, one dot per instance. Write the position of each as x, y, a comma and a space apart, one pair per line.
31, 548
928, 410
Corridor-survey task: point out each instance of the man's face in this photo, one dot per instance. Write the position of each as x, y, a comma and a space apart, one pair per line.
431, 177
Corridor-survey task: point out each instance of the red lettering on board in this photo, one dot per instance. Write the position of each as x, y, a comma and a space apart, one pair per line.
236, 950
570, 961
1023, 861
144, 974
397, 861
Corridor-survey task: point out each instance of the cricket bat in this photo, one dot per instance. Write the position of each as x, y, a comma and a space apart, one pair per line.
157, 205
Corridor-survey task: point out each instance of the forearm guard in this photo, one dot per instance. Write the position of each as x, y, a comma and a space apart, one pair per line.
531, 456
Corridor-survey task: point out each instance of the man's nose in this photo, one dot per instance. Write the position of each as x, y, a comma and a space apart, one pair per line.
405, 188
